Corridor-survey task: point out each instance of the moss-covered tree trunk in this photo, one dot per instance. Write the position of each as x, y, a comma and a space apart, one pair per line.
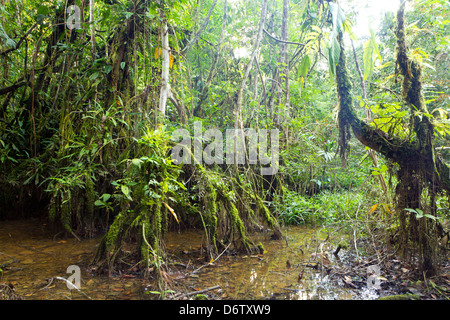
419, 169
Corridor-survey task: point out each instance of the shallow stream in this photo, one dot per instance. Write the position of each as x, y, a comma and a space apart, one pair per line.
33, 258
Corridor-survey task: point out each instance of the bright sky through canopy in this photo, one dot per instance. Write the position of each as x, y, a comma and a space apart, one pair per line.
369, 13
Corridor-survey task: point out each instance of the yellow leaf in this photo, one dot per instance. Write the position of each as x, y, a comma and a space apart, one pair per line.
374, 207
158, 52
171, 211
170, 60
386, 208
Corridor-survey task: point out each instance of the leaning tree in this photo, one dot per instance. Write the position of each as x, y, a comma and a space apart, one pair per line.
421, 175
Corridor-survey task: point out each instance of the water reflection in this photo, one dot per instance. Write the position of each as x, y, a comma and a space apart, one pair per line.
35, 256
271, 276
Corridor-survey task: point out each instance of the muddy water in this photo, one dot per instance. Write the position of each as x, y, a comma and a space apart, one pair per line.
34, 258
283, 272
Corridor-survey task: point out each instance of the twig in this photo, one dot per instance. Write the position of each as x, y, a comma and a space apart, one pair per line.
197, 292
73, 286
205, 265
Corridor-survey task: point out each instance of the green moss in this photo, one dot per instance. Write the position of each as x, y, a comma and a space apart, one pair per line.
266, 213
261, 248
53, 209
237, 223
156, 226
113, 235
273, 223
201, 297
343, 244
210, 217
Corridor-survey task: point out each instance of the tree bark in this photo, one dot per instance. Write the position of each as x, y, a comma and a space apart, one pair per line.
165, 85
285, 54
237, 110
92, 24
419, 168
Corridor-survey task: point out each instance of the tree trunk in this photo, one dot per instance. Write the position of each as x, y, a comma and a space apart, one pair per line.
419, 168
165, 85
240, 94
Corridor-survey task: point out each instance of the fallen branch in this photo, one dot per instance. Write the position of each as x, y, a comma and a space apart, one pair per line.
71, 285
196, 292
210, 263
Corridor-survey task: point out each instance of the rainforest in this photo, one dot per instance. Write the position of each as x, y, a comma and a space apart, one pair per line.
224, 149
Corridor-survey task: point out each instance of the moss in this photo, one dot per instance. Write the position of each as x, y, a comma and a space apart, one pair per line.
341, 245
210, 200
273, 223
201, 297
156, 226
114, 233
261, 248
237, 223
53, 209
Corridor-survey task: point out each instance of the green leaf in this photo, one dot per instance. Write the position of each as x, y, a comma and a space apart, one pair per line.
334, 52
10, 43
93, 76
43, 10
338, 17
348, 28
137, 162
126, 191
304, 66
108, 69
371, 53
105, 197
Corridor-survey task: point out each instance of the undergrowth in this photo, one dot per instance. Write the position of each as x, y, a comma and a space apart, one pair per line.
323, 208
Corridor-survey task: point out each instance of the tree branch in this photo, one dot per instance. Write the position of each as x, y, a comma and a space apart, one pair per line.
12, 87
282, 41
203, 26
20, 41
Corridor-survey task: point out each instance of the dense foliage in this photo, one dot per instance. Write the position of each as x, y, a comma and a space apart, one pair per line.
87, 115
